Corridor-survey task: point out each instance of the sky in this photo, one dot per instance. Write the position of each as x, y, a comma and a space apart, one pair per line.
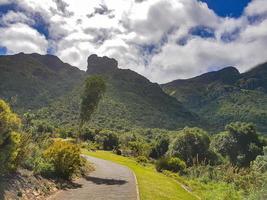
163, 40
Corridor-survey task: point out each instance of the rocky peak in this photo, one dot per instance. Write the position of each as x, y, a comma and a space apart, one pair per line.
101, 64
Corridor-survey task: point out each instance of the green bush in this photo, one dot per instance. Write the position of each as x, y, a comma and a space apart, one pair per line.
142, 159
171, 164
9, 138
87, 134
107, 140
65, 158
240, 143
160, 147
44, 168
192, 145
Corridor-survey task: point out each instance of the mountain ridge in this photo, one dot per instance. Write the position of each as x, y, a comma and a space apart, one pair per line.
131, 100
225, 95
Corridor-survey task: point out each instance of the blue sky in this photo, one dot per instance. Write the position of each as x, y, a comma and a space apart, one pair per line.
160, 39
224, 8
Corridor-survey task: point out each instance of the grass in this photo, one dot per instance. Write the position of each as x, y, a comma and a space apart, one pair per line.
152, 185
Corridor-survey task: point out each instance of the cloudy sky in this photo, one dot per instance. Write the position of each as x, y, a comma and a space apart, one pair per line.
160, 39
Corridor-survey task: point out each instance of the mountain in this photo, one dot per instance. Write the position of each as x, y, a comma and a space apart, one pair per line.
51, 88
31, 81
225, 95
130, 101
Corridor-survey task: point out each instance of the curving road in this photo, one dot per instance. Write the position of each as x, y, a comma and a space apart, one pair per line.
109, 181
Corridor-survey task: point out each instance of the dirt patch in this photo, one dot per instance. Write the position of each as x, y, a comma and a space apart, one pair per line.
24, 185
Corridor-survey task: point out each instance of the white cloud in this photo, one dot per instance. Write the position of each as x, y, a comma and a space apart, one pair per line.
256, 7
141, 35
22, 38
15, 17
3, 2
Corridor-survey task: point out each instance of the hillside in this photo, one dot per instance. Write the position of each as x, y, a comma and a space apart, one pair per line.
225, 95
31, 81
130, 101
52, 88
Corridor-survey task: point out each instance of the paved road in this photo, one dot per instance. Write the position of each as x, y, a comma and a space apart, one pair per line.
109, 181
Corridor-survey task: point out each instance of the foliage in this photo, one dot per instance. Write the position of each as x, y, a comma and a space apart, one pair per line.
94, 89
260, 163
9, 138
64, 157
51, 90
160, 148
225, 96
87, 134
142, 160
132, 144
240, 143
32, 81
244, 181
207, 190
107, 140
171, 164
192, 145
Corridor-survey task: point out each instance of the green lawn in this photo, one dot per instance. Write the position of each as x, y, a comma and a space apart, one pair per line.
152, 185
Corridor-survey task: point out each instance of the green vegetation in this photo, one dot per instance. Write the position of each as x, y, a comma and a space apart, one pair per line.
94, 89
64, 158
9, 138
240, 143
171, 164
152, 185
192, 145
51, 89
151, 132
29, 146
225, 96
32, 81
194, 159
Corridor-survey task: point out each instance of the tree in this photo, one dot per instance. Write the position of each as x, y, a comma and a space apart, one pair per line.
240, 143
191, 145
10, 124
94, 89
108, 140
160, 148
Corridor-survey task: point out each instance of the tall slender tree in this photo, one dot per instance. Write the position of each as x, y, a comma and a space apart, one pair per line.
94, 88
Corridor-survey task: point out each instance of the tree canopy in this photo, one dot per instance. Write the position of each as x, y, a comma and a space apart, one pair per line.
94, 89
191, 145
240, 142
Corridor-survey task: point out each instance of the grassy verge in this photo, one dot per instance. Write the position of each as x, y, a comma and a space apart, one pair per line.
152, 185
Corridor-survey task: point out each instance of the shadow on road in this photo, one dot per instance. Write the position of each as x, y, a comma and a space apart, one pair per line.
100, 181
68, 185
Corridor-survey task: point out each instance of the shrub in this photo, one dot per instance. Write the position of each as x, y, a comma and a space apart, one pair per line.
240, 143
87, 134
91, 146
43, 167
65, 158
107, 140
191, 145
134, 145
260, 163
160, 148
171, 164
142, 159
9, 138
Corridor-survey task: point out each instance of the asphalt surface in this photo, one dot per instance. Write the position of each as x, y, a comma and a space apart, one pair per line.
109, 181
